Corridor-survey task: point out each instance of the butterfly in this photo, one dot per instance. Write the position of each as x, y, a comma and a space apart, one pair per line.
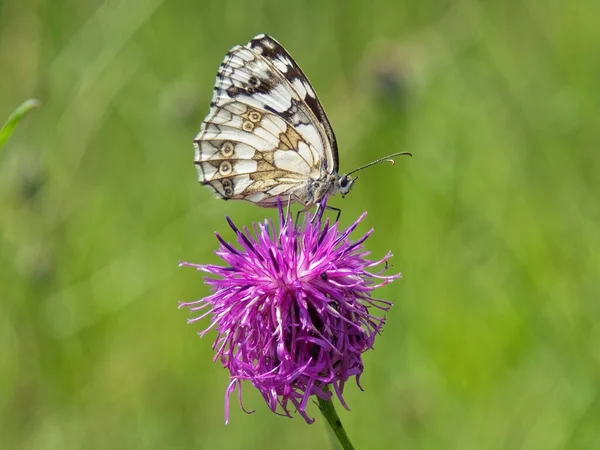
266, 135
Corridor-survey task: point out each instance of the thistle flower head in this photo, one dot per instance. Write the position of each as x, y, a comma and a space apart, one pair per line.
292, 309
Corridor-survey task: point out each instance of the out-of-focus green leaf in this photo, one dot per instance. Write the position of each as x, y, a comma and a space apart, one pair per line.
9, 126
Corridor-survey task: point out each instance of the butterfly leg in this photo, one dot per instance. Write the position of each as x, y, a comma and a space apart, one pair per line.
319, 214
289, 205
337, 210
298, 214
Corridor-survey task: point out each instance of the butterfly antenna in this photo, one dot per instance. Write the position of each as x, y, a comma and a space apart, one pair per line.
380, 160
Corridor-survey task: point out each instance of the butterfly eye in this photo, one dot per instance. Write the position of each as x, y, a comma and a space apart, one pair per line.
344, 182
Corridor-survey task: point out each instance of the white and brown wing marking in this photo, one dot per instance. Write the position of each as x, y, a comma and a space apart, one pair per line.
266, 134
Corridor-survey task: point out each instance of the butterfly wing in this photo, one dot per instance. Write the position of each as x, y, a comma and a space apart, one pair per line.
273, 52
250, 154
266, 125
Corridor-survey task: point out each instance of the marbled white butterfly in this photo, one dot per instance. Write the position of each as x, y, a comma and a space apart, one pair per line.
266, 134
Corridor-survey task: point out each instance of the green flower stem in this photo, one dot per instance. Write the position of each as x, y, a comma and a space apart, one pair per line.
330, 414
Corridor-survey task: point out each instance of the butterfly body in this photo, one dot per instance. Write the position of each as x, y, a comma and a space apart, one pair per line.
266, 134
326, 184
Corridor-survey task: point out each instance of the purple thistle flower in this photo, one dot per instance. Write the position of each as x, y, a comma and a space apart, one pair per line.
292, 309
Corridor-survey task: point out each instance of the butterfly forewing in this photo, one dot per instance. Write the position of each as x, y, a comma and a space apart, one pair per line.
266, 134
283, 62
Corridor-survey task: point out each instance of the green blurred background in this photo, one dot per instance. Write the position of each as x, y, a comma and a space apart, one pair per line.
494, 341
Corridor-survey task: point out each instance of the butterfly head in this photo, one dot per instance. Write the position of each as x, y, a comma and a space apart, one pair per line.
344, 184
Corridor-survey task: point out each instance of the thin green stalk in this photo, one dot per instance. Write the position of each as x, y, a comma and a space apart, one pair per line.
7, 129
331, 415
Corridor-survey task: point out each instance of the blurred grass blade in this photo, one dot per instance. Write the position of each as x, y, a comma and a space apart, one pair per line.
9, 126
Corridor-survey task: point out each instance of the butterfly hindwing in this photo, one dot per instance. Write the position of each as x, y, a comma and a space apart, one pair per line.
245, 153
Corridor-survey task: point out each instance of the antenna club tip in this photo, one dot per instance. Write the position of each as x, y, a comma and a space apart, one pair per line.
380, 160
